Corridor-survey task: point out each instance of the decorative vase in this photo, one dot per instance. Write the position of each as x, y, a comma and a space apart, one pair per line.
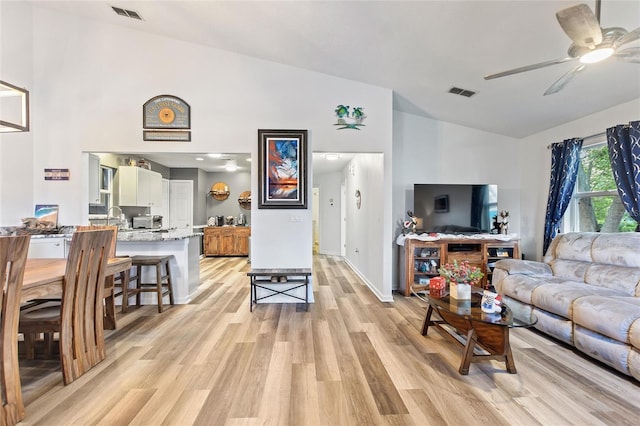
460, 291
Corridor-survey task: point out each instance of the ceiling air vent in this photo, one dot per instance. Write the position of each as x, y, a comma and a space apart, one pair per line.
462, 92
128, 13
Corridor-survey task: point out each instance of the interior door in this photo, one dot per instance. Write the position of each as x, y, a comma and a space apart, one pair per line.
181, 203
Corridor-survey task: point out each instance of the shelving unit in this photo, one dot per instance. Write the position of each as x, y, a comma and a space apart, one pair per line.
418, 261
497, 251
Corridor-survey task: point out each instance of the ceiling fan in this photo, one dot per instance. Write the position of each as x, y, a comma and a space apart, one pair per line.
591, 44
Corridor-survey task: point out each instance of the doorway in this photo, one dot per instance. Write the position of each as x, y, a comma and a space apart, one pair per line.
329, 224
181, 203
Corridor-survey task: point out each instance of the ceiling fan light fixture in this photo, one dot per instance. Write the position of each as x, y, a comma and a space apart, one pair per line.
596, 55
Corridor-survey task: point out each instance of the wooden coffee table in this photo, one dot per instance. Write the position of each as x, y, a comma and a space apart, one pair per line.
483, 336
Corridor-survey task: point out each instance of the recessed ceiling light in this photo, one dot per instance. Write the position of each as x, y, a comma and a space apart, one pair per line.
199, 159
231, 166
331, 156
249, 159
214, 155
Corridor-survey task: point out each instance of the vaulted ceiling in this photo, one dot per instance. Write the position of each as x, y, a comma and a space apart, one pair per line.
418, 49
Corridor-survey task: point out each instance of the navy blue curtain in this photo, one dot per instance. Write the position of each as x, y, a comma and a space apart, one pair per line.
565, 159
624, 153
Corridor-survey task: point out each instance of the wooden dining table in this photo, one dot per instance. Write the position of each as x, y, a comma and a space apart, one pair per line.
44, 277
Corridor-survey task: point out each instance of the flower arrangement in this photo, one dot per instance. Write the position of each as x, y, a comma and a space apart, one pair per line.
461, 273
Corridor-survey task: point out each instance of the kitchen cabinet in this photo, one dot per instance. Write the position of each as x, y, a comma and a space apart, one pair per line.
138, 187
226, 240
94, 179
163, 210
47, 247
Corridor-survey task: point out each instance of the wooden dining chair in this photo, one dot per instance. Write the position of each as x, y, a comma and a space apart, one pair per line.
110, 282
13, 258
79, 317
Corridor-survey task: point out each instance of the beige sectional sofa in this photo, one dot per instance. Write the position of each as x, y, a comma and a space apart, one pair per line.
586, 292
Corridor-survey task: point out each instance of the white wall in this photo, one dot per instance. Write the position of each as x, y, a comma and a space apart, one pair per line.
91, 80
431, 151
366, 173
16, 149
535, 180
88, 82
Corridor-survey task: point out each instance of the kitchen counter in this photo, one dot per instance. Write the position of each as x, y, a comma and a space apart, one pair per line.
156, 235
185, 266
137, 235
184, 245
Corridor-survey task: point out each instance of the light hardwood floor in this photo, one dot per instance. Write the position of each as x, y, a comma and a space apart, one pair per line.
350, 360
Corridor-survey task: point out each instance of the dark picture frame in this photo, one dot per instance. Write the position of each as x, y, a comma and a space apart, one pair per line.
282, 169
441, 203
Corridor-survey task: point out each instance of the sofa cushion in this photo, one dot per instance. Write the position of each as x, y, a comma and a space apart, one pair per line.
634, 363
554, 325
619, 278
559, 298
609, 316
570, 269
520, 287
609, 351
576, 246
620, 249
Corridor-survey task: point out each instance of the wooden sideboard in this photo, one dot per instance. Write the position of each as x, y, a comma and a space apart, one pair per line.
226, 240
418, 261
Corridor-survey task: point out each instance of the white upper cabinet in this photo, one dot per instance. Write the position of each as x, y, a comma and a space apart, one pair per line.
139, 187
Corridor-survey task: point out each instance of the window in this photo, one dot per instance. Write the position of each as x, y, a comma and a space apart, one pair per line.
106, 191
596, 206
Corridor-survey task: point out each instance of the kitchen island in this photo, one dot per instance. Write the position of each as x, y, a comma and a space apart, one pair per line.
184, 245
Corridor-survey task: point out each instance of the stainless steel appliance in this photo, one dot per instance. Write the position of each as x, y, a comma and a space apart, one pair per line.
147, 222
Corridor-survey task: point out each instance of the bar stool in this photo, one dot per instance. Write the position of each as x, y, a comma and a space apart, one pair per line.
162, 287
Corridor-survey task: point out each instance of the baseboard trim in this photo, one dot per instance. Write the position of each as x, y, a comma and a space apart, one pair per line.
367, 282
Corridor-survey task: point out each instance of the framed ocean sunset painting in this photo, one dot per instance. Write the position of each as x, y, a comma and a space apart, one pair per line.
282, 169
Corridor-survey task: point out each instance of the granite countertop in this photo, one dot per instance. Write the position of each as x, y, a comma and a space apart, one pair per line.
137, 235
157, 235
39, 236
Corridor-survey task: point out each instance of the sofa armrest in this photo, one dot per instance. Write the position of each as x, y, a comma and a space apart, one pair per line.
523, 267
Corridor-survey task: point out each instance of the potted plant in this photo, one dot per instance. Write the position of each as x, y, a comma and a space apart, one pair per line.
460, 276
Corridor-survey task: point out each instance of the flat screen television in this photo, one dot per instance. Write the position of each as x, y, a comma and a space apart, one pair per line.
455, 208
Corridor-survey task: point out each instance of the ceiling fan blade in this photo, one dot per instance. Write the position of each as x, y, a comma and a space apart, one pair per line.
562, 81
631, 54
628, 37
528, 68
581, 25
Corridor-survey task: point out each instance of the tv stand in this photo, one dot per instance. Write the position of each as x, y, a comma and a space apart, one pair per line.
418, 261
